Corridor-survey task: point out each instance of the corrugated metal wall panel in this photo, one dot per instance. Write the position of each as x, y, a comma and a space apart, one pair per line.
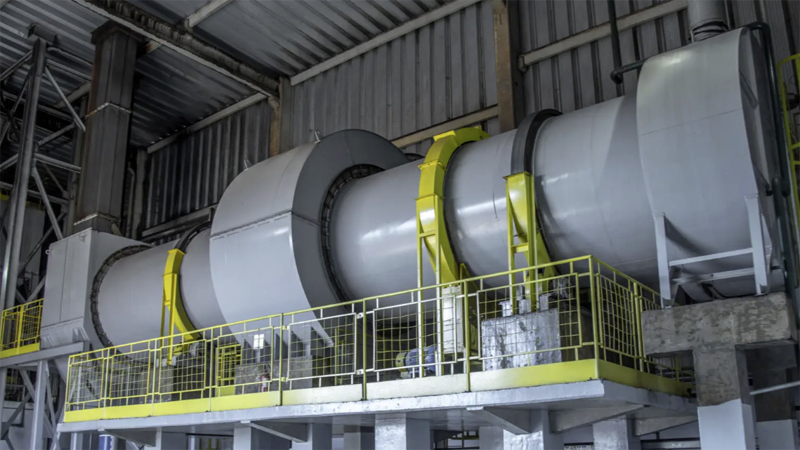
580, 77
437, 73
193, 172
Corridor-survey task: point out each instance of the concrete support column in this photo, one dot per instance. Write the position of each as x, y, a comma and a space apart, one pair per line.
541, 438
616, 434
359, 438
99, 204
715, 333
168, 441
77, 441
399, 432
320, 437
248, 438
776, 427
725, 412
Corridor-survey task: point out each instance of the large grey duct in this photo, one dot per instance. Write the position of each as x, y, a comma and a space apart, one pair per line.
336, 220
707, 18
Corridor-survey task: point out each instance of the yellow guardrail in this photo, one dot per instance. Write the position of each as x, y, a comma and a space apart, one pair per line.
581, 324
788, 70
20, 328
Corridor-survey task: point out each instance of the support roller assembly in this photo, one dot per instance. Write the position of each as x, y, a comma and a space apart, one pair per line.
661, 183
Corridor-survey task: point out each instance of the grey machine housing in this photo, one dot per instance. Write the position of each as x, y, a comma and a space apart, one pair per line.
667, 185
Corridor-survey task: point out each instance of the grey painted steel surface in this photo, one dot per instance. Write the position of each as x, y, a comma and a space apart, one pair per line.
265, 238
204, 310
591, 194
130, 298
707, 18
705, 145
132, 292
374, 228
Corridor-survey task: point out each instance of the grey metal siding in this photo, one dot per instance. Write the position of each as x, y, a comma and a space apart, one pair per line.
439, 72
580, 77
192, 173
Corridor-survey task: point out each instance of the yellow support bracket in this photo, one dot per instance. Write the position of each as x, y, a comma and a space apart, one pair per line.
522, 224
172, 309
431, 233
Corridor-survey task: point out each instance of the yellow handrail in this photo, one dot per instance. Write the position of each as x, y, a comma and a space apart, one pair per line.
792, 129
361, 349
20, 329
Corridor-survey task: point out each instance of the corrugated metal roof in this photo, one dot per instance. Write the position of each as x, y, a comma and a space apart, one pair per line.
288, 37
172, 91
278, 37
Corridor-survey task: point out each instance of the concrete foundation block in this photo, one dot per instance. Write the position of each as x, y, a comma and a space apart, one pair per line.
777, 435
742, 321
728, 426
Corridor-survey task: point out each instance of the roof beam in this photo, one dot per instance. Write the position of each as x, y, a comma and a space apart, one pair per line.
601, 31
219, 115
189, 22
183, 42
377, 41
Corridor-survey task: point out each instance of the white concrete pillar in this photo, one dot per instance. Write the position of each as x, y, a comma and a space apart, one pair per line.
399, 432
77, 441
616, 434
320, 437
777, 435
359, 438
729, 426
541, 438
248, 438
170, 441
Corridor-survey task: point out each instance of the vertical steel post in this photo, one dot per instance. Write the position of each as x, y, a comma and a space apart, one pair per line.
8, 283
37, 422
16, 213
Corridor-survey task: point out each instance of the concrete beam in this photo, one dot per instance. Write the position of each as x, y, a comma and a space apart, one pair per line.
402, 30
181, 41
601, 31
140, 437
516, 421
650, 425
296, 432
732, 322
565, 420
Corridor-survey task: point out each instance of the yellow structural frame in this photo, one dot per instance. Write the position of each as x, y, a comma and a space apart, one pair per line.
173, 314
431, 231
522, 224
792, 139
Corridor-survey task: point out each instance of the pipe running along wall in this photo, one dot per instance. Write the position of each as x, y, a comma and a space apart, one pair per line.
336, 220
